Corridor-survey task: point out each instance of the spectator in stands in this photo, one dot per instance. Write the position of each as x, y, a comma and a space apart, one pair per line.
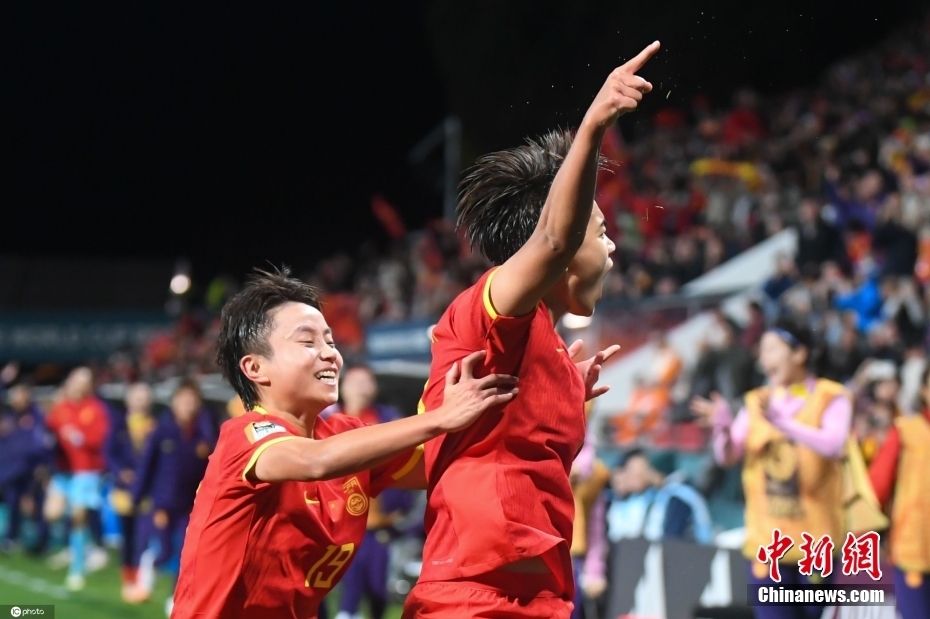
125, 445
844, 358
791, 436
894, 244
912, 370
754, 328
866, 301
726, 367
641, 503
643, 414
784, 278
80, 423
25, 447
904, 308
173, 464
818, 240
899, 472
855, 198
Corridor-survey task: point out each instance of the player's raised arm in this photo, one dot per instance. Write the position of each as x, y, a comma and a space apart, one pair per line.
522, 281
465, 399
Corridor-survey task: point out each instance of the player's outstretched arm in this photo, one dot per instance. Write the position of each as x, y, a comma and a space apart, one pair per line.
465, 398
520, 283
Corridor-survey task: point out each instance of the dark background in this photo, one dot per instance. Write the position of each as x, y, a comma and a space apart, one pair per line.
241, 133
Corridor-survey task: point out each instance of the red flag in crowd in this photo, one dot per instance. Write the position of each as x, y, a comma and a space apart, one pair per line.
389, 217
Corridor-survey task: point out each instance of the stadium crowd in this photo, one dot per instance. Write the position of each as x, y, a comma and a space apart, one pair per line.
846, 164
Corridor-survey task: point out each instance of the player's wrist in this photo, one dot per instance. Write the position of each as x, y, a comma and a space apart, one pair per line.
592, 129
451, 418
438, 421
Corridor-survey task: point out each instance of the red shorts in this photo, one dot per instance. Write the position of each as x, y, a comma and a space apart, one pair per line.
498, 595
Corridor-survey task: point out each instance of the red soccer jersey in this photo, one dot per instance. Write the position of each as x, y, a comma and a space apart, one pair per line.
90, 420
258, 550
499, 491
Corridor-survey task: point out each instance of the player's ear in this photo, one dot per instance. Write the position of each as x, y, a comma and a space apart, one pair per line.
253, 367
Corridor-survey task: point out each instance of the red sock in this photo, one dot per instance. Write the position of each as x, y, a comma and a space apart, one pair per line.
129, 575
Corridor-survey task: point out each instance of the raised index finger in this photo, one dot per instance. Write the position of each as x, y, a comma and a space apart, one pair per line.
636, 63
610, 352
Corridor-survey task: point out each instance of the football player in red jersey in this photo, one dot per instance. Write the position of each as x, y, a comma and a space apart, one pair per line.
283, 504
500, 511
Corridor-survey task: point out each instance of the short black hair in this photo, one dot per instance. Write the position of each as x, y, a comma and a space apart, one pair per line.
635, 452
247, 318
794, 334
504, 193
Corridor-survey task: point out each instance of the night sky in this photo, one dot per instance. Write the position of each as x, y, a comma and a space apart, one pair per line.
241, 133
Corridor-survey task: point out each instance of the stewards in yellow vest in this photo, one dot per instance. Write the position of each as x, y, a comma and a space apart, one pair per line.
588, 477
900, 474
791, 437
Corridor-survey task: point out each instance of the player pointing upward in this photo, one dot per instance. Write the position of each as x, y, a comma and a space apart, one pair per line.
499, 520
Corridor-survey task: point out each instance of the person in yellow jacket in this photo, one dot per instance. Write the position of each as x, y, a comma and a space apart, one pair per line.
900, 474
791, 437
589, 477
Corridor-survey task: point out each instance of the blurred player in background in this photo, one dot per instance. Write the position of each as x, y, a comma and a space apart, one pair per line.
901, 475
284, 502
124, 450
80, 423
25, 448
499, 519
367, 577
170, 470
791, 436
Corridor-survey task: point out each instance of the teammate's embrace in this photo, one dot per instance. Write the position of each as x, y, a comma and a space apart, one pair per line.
499, 520
284, 502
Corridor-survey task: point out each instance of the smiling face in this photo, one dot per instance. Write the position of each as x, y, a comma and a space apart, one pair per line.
590, 266
781, 364
301, 373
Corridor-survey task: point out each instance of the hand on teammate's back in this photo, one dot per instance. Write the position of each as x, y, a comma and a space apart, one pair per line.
466, 397
622, 91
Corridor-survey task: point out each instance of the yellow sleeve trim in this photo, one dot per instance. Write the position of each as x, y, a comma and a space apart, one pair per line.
488, 305
412, 462
259, 451
421, 407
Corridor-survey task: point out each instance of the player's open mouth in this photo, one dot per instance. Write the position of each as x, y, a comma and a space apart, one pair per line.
326, 376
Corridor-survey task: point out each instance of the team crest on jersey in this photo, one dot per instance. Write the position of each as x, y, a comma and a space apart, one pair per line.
357, 502
257, 430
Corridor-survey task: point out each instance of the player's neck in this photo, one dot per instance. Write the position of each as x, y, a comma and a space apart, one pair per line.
557, 308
